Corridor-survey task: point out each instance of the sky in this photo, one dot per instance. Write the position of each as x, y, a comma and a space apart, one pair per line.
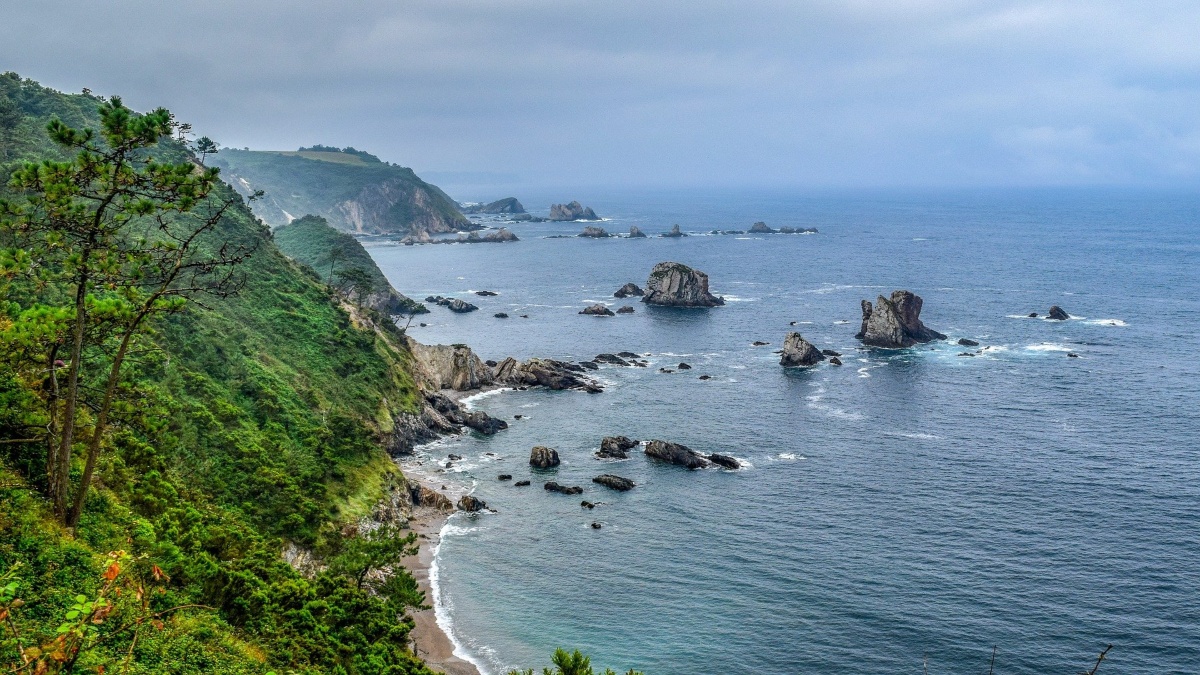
696, 93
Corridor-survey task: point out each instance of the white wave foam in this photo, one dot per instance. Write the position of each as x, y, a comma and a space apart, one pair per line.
734, 298
787, 455
469, 401
1106, 322
1019, 316
441, 603
1048, 347
864, 371
916, 436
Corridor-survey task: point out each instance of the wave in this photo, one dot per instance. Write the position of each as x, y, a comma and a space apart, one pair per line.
789, 456
734, 298
1106, 322
915, 436
469, 401
442, 605
1047, 347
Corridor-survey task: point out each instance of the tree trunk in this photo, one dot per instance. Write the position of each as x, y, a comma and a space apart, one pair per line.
61, 475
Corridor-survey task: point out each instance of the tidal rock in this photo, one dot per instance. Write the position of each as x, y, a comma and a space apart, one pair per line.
546, 373
504, 476
454, 457
594, 232
675, 232
705, 377
486, 294
627, 355
798, 352
724, 461
460, 306
471, 504
616, 447
585, 504
542, 457
499, 236
673, 284
830, 352
665, 370
1033, 315
500, 315
484, 423
835, 361
596, 526
588, 365
1072, 355
964, 342
761, 228
423, 496
597, 310
521, 483
552, 486
611, 359
572, 211
635, 232
1057, 314
684, 366
895, 323
628, 290
625, 309
615, 482
674, 453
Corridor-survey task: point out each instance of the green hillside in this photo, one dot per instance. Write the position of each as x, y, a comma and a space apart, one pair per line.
245, 425
351, 189
337, 257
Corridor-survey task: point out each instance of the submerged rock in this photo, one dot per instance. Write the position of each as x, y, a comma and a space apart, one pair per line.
625, 309
486, 294
542, 457
616, 447
597, 310
675, 232
596, 526
798, 352
895, 323
964, 342
521, 483
1057, 314
675, 453
835, 361
572, 211
724, 461
504, 476
594, 232
830, 352
628, 290
684, 366
635, 232
500, 315
552, 486
673, 284
617, 483
471, 504
1033, 315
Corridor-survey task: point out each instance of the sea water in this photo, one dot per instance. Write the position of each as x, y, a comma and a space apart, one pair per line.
907, 510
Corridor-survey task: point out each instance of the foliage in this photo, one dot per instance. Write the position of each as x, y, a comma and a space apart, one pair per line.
570, 663
244, 425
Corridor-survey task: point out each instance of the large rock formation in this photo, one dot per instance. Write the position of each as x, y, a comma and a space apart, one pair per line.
724, 461
597, 310
456, 416
635, 232
1058, 314
673, 284
798, 352
542, 457
616, 447
617, 483
628, 290
451, 366
544, 373
594, 232
675, 453
895, 323
675, 232
471, 504
508, 205
572, 211
498, 237
761, 228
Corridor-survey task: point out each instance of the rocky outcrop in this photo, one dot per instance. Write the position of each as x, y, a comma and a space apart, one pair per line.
635, 232
451, 366
452, 304
967, 343
614, 482
542, 457
544, 373
761, 228
572, 211
625, 309
597, 310
629, 289
457, 416
1057, 314
895, 323
724, 461
616, 447
508, 205
675, 232
798, 352
594, 232
673, 284
552, 486
611, 359
499, 236
423, 496
471, 504
674, 453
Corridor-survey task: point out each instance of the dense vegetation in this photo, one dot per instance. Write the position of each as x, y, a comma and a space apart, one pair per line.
242, 425
319, 182
343, 262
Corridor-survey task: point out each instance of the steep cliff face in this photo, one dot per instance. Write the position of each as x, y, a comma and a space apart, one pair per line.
354, 192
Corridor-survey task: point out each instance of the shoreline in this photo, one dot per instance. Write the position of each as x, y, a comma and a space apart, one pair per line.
429, 640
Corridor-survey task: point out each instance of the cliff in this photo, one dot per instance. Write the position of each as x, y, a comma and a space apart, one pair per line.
508, 205
353, 191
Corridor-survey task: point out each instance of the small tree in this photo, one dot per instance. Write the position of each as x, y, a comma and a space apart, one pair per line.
355, 283
126, 237
204, 147
379, 550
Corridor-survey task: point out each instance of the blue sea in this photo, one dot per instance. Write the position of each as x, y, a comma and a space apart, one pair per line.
907, 511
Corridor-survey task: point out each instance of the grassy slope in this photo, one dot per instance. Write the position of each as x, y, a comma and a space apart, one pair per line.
315, 182
259, 425
310, 241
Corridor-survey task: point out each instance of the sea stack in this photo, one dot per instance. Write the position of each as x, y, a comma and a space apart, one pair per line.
673, 284
761, 228
594, 232
675, 232
542, 457
572, 211
635, 232
1057, 314
895, 323
628, 290
799, 353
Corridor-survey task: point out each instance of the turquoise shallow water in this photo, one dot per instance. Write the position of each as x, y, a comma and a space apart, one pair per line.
904, 506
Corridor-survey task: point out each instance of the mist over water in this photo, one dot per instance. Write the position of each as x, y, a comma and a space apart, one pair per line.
906, 504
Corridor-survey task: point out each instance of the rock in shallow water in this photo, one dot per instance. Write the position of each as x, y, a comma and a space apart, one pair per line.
629, 289
521, 483
798, 352
967, 343
724, 461
675, 453
597, 310
673, 284
617, 483
1057, 314
471, 504
895, 323
542, 457
616, 447
552, 486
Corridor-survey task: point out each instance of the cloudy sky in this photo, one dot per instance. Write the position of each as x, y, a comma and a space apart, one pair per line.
666, 93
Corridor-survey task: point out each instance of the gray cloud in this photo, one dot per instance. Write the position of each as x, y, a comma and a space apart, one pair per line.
906, 92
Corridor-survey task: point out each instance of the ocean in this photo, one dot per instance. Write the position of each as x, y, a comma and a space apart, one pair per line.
908, 511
